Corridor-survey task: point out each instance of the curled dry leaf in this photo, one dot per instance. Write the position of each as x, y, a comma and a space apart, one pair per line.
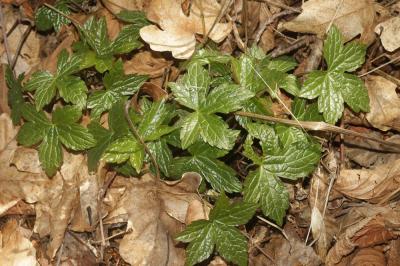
369, 256
155, 211
292, 252
352, 17
389, 32
366, 226
374, 185
177, 33
15, 247
384, 103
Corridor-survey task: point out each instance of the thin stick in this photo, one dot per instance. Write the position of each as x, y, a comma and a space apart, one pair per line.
299, 43
74, 21
282, 6
268, 21
379, 67
319, 126
4, 31
274, 226
20, 44
225, 5
137, 136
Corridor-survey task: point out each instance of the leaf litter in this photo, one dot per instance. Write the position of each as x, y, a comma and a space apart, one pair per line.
78, 187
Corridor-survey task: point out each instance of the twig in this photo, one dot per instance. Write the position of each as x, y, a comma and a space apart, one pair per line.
20, 44
137, 136
245, 22
319, 126
225, 5
114, 236
268, 21
60, 252
239, 41
282, 6
4, 31
100, 198
73, 21
299, 43
274, 226
376, 68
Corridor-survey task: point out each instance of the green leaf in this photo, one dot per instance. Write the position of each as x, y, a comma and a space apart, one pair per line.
75, 137
306, 112
138, 18
204, 235
190, 130
219, 175
342, 58
237, 214
46, 19
202, 247
226, 98
136, 159
210, 57
30, 134
15, 97
151, 127
282, 64
67, 65
103, 138
354, 93
44, 85
30, 114
121, 150
295, 161
73, 90
334, 87
202, 148
94, 33
162, 154
127, 40
264, 188
215, 131
50, 153
67, 115
231, 244
117, 86
192, 89
246, 74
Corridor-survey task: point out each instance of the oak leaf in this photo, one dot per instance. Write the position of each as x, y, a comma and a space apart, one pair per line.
177, 33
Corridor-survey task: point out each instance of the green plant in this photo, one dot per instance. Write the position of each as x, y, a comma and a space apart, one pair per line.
333, 86
195, 129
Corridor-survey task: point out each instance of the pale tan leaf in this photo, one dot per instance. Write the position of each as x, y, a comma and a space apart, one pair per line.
177, 33
372, 184
352, 17
28, 57
389, 32
384, 103
155, 212
15, 247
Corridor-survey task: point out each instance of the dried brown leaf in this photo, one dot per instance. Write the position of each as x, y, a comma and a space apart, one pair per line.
155, 211
352, 17
384, 103
389, 32
177, 33
15, 246
373, 184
